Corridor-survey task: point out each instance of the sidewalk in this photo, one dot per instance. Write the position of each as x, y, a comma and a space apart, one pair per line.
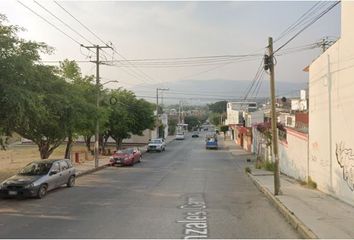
313, 213
89, 166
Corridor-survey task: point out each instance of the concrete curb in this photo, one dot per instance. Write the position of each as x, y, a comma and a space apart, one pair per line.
83, 173
299, 226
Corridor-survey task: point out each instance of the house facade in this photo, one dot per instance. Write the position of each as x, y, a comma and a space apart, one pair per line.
331, 108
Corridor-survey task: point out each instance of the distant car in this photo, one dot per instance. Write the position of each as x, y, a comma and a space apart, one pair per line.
39, 177
195, 135
211, 143
179, 136
157, 144
126, 157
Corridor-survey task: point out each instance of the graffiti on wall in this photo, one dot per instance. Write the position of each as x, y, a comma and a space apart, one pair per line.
345, 159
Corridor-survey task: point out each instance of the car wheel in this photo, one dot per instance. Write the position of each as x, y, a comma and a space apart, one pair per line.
42, 191
147, 150
71, 181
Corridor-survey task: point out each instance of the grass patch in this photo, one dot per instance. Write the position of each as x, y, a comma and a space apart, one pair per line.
310, 183
266, 165
259, 164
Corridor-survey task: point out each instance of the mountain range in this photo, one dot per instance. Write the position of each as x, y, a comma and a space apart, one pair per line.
207, 91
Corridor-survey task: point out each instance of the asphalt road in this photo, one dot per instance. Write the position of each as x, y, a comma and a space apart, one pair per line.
186, 191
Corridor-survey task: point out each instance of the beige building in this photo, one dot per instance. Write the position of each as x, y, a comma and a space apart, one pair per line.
331, 108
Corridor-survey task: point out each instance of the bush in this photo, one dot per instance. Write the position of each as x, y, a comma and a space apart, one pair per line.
248, 170
269, 166
259, 164
310, 183
266, 165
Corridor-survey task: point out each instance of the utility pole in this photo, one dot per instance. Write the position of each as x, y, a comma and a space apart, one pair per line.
157, 109
269, 64
179, 112
97, 131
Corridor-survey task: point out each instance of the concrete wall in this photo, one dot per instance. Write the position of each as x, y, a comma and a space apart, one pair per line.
331, 110
293, 154
232, 117
259, 146
253, 118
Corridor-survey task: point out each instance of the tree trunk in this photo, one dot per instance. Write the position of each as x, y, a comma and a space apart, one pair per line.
88, 142
119, 142
100, 144
69, 145
44, 150
104, 143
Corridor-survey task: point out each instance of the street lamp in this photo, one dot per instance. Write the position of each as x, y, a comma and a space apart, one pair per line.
110, 81
97, 132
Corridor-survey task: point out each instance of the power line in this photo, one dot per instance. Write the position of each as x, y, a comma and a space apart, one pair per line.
257, 86
302, 18
308, 25
67, 25
44, 19
255, 79
80, 22
134, 74
196, 57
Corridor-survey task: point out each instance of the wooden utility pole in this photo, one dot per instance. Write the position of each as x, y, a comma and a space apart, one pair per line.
97, 131
274, 119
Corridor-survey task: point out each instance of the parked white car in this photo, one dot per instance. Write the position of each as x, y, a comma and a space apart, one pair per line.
157, 144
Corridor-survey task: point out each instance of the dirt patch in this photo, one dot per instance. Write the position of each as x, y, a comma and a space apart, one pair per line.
17, 156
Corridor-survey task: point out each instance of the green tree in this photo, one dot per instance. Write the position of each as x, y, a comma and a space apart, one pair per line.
17, 61
128, 116
214, 118
81, 110
192, 121
218, 107
224, 129
44, 121
172, 125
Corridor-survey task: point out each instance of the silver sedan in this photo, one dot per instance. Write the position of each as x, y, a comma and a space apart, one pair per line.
37, 178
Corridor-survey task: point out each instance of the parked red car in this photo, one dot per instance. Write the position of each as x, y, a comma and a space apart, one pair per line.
126, 157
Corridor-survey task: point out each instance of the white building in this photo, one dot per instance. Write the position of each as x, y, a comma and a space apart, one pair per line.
287, 119
299, 104
235, 111
253, 118
331, 111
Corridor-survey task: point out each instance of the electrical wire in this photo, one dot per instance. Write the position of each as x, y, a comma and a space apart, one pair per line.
83, 25
67, 25
134, 74
297, 23
307, 26
53, 25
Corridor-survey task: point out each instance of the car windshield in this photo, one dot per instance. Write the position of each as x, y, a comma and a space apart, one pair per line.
155, 141
125, 151
35, 168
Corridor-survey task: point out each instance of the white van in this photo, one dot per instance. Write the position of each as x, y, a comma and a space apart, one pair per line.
180, 136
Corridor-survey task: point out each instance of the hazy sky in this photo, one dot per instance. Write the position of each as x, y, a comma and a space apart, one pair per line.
176, 29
